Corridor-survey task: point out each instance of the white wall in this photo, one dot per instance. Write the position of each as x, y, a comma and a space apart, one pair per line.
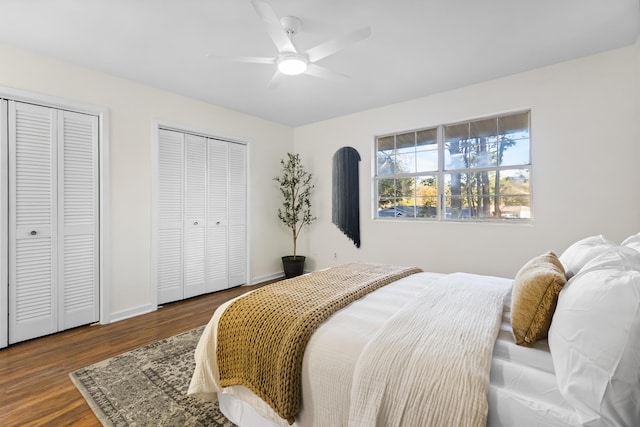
133, 108
585, 131
584, 117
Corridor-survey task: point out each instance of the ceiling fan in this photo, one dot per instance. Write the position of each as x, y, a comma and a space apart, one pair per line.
289, 60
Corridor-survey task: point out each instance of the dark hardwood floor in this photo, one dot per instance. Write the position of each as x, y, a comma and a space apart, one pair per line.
35, 388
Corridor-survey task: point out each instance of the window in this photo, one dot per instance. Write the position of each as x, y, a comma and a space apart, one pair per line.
472, 171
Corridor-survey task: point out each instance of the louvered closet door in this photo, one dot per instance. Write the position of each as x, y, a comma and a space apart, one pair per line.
4, 224
33, 284
217, 215
78, 219
194, 213
53, 220
202, 215
237, 214
170, 205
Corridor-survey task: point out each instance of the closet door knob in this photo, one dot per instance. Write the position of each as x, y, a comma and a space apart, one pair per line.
195, 223
217, 222
34, 232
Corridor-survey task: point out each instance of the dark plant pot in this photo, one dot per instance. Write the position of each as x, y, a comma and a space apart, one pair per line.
293, 266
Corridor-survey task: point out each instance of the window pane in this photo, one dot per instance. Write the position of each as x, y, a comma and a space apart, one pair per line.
454, 201
481, 152
514, 199
427, 160
406, 161
386, 155
385, 143
454, 156
514, 139
387, 190
456, 146
406, 153
514, 210
514, 152
427, 196
386, 209
427, 137
427, 186
406, 188
456, 132
514, 123
406, 140
455, 208
427, 207
427, 150
483, 128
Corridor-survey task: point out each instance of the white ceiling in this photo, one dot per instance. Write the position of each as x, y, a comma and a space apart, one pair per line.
417, 47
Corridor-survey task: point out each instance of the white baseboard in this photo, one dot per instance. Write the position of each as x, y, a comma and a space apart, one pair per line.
265, 278
132, 312
148, 308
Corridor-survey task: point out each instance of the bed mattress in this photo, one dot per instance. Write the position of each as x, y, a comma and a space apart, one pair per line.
522, 389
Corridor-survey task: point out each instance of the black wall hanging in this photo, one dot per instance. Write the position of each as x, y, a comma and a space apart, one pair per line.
346, 193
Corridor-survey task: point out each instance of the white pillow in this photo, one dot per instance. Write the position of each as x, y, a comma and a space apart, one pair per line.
632, 242
583, 251
595, 339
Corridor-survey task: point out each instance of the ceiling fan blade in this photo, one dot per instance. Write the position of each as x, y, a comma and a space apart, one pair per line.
250, 59
332, 46
275, 80
274, 28
324, 73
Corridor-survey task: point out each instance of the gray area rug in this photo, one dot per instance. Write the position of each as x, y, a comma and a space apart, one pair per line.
148, 386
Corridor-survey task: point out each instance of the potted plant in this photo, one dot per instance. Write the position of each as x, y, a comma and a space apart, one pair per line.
295, 213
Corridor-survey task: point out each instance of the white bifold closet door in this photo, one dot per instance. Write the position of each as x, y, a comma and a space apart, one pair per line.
201, 185
53, 220
170, 265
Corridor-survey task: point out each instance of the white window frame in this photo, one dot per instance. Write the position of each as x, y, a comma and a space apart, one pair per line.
441, 172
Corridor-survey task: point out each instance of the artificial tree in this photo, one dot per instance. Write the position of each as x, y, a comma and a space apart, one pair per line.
295, 213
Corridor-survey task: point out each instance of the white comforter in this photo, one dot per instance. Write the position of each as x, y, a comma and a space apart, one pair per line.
333, 354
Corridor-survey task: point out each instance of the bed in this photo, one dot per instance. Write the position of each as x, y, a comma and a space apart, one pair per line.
525, 387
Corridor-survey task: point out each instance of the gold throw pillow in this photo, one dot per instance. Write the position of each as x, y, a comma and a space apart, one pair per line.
534, 298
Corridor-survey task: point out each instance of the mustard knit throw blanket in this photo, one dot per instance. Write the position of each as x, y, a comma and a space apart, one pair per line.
262, 336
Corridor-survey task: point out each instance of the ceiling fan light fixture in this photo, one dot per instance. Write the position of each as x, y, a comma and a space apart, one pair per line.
292, 64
